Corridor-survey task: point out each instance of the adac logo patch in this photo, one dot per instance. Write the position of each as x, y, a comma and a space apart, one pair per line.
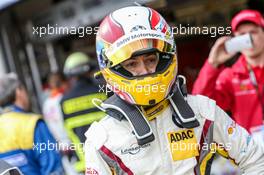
183, 144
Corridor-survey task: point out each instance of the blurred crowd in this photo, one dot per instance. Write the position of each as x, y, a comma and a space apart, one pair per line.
67, 113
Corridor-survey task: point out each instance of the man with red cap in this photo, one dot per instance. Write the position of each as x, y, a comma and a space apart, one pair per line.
240, 88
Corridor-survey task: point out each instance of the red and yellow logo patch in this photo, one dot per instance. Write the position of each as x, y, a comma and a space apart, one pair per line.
91, 171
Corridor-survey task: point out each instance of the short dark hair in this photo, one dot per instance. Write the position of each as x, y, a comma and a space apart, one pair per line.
9, 99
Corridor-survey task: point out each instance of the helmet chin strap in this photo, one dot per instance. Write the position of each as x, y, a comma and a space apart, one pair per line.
183, 116
119, 109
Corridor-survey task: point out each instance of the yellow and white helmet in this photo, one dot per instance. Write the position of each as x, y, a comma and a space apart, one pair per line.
132, 31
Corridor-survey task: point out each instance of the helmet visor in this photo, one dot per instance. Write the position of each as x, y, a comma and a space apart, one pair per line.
155, 60
126, 51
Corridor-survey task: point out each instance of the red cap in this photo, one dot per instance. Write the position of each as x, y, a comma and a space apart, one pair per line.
247, 16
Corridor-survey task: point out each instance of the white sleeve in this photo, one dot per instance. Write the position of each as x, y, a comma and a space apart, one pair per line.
248, 154
95, 138
53, 117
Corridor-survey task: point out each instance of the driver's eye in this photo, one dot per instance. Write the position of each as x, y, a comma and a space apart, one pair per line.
141, 65
151, 59
130, 64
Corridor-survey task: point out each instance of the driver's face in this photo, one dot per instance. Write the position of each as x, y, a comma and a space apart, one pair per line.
142, 64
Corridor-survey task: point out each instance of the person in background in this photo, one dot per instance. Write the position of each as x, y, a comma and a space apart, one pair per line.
77, 106
53, 116
25, 138
51, 108
240, 88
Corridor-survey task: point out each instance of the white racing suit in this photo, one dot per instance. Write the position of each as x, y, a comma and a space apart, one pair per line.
111, 147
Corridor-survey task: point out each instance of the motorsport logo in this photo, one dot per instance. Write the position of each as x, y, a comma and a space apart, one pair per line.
91, 171
141, 34
134, 149
182, 135
183, 144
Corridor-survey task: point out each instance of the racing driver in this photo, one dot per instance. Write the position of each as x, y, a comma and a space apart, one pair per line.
153, 126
